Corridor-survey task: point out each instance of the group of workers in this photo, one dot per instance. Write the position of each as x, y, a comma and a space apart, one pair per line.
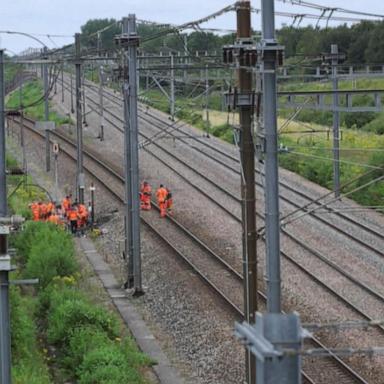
74, 215
163, 197
77, 214
42, 211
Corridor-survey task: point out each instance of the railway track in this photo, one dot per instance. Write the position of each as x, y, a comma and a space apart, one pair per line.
376, 299
215, 270
233, 165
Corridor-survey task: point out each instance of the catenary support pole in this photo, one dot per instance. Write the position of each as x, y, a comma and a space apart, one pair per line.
79, 127
22, 138
21, 108
98, 44
55, 85
71, 85
62, 81
248, 201
207, 101
92, 190
172, 96
5, 331
130, 39
46, 113
336, 133
101, 102
186, 54
127, 168
83, 99
271, 161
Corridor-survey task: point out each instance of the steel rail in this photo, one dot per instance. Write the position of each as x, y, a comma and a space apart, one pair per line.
290, 235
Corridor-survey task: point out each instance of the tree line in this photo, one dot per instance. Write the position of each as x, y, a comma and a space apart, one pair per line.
361, 43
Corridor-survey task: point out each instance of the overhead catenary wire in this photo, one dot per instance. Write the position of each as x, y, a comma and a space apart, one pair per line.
319, 200
359, 149
367, 208
339, 161
320, 7
311, 16
376, 180
190, 24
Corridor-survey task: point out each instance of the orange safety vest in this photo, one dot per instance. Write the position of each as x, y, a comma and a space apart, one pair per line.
66, 204
54, 219
161, 195
72, 215
35, 212
82, 209
50, 207
146, 193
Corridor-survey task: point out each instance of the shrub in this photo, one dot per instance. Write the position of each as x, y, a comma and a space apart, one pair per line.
33, 233
52, 257
107, 365
71, 314
373, 194
376, 125
81, 341
224, 131
27, 362
22, 329
59, 290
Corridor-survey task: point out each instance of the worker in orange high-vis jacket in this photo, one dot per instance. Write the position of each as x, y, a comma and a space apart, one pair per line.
82, 212
66, 204
161, 196
169, 202
145, 196
50, 208
35, 211
53, 218
43, 211
73, 216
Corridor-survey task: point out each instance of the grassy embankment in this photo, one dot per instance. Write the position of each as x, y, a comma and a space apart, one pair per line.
32, 94
60, 332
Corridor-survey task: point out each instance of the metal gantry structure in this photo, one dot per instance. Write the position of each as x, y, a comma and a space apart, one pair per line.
265, 334
80, 182
5, 262
129, 42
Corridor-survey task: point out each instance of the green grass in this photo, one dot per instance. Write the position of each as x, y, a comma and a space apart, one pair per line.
29, 364
311, 156
32, 95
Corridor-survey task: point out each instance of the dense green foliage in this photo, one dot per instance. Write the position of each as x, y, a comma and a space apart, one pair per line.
47, 251
312, 159
88, 336
89, 37
89, 344
33, 97
28, 365
361, 42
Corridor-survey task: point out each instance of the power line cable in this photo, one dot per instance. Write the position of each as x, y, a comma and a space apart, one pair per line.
339, 161
320, 7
